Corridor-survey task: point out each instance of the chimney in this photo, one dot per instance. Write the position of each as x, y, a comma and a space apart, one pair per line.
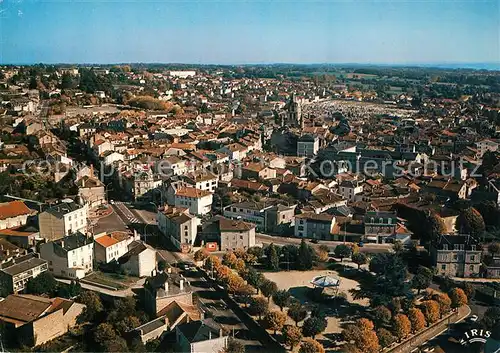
169, 270
181, 284
83, 182
62, 243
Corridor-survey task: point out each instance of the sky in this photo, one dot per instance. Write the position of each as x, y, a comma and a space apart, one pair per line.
250, 32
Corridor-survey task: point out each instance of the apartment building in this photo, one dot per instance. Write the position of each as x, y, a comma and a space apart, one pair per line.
315, 226
253, 212
199, 202
62, 220
16, 273
70, 257
456, 256
179, 226
203, 180
379, 226
307, 146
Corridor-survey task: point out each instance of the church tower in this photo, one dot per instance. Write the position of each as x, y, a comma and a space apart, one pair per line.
294, 112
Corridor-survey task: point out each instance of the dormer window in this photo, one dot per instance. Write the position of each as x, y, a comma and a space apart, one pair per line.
380, 220
445, 246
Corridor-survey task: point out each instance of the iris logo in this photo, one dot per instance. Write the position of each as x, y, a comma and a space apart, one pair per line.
475, 335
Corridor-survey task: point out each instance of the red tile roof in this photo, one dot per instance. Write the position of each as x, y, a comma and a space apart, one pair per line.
13, 209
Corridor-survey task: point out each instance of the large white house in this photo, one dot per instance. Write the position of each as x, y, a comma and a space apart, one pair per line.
13, 214
199, 202
69, 257
63, 219
112, 246
180, 227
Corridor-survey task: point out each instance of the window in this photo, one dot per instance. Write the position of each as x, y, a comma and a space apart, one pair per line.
443, 267
455, 257
74, 263
473, 247
69, 218
445, 246
473, 258
471, 268
283, 217
380, 220
389, 221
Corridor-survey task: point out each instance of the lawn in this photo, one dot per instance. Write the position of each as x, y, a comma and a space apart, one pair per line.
114, 280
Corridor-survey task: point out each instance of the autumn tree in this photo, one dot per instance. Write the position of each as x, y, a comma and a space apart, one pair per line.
235, 283
297, 312
444, 302
469, 290
364, 337
104, 332
322, 253
292, 335
385, 337
268, 288
458, 298
275, 320
401, 326
229, 259
201, 255
311, 346
417, 319
342, 251
212, 263
430, 308
259, 306
382, 315
281, 298
359, 259
313, 326
234, 346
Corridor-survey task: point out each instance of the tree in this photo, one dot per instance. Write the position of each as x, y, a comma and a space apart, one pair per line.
259, 306
33, 84
297, 312
311, 346
235, 283
240, 266
322, 253
469, 290
430, 308
385, 337
470, 221
256, 251
117, 344
422, 279
359, 259
304, 258
490, 213
272, 258
382, 315
212, 263
417, 319
379, 262
245, 291
292, 335
67, 81
494, 248
281, 298
364, 337
458, 298
401, 326
201, 255
104, 332
342, 251
431, 226
491, 317
313, 326
93, 305
234, 346
444, 302
275, 320
268, 288
127, 324
44, 283
398, 247
254, 278
229, 259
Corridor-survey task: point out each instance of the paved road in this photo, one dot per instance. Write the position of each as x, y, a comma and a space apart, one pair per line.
267, 239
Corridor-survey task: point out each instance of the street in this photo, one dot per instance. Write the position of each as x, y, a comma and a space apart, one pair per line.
261, 238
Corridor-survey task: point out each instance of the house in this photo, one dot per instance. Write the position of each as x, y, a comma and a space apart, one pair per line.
203, 180
109, 247
172, 165
70, 257
204, 336
199, 202
315, 226
379, 226
486, 145
179, 226
16, 273
257, 171
36, 320
253, 212
139, 260
163, 288
92, 191
228, 234
492, 266
351, 189
280, 219
63, 219
23, 236
9, 252
307, 145
456, 256
13, 214
447, 189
